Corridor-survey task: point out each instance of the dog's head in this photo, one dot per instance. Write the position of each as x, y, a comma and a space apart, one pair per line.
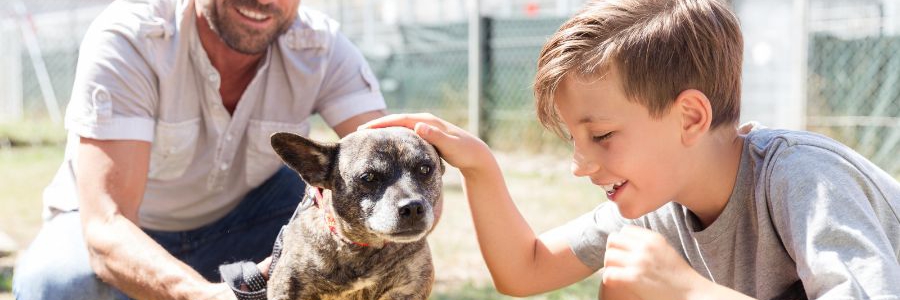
385, 184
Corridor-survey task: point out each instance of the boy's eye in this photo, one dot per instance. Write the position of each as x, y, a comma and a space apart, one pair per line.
600, 138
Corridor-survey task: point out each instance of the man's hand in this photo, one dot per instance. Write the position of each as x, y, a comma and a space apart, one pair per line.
641, 261
220, 291
459, 148
264, 267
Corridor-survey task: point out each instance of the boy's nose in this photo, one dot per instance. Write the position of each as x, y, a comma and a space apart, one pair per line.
583, 167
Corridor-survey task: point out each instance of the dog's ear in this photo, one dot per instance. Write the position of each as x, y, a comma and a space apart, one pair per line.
440, 160
314, 161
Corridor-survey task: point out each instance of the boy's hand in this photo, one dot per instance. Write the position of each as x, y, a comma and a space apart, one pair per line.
642, 261
459, 148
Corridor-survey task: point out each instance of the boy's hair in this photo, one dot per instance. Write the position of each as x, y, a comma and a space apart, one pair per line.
659, 47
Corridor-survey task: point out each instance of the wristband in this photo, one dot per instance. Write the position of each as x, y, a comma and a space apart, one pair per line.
244, 279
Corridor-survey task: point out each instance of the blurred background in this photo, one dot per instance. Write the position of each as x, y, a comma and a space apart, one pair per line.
829, 66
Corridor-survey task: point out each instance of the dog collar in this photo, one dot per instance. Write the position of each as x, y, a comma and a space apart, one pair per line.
328, 215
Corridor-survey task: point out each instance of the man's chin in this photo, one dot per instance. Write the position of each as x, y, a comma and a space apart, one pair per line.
249, 43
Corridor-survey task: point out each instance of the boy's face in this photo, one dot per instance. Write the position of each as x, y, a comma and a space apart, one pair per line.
632, 155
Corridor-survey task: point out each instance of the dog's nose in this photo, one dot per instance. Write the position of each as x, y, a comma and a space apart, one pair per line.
412, 210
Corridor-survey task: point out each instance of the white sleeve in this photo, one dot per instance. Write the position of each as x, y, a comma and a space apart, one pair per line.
349, 87
115, 93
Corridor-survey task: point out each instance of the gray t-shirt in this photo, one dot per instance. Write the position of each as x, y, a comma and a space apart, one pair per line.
808, 218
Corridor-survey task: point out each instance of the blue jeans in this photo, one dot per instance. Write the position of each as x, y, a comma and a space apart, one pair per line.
56, 266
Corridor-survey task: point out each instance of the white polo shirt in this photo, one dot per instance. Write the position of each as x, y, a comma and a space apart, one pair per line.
143, 75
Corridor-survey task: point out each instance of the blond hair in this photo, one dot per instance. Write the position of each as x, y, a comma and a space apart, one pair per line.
659, 47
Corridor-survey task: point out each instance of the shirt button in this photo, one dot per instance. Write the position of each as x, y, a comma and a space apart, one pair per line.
223, 167
213, 77
228, 137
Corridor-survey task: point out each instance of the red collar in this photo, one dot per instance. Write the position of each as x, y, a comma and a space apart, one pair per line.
328, 216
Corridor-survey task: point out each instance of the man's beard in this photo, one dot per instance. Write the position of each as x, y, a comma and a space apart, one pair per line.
243, 39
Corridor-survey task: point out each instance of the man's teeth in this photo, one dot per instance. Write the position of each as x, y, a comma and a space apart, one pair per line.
252, 14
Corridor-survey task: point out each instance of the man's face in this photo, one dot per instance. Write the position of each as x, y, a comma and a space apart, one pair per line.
249, 26
620, 146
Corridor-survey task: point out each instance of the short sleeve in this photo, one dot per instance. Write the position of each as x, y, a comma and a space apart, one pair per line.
114, 94
827, 213
587, 234
349, 86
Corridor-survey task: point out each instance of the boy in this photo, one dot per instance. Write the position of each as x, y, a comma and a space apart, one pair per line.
648, 91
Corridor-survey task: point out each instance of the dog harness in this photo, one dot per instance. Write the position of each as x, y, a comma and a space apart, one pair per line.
244, 277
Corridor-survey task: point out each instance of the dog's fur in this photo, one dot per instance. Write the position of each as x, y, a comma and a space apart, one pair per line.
384, 189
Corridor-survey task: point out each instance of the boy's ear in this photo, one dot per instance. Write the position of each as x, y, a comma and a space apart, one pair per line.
696, 115
314, 161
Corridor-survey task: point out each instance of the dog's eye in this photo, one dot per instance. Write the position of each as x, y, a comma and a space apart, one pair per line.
367, 177
424, 170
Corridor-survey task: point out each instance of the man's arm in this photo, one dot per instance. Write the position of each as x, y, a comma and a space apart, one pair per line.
346, 127
111, 179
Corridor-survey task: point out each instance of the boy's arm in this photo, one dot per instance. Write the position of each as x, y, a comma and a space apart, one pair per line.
520, 263
111, 176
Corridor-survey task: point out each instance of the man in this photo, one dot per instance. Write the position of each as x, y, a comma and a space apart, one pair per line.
168, 170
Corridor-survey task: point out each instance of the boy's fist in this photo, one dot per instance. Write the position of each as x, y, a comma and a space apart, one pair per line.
641, 261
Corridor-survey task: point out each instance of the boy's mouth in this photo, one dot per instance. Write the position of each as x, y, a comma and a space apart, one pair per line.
612, 188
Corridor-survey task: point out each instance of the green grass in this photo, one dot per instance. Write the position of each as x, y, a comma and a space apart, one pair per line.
480, 291
30, 153
31, 133
5, 281
24, 172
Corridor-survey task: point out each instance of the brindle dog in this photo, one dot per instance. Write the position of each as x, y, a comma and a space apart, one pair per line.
374, 197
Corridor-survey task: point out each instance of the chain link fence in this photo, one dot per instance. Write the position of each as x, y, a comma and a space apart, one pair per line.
852, 76
38, 54
853, 85
428, 72
854, 95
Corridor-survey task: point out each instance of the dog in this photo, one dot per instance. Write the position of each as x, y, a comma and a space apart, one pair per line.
359, 233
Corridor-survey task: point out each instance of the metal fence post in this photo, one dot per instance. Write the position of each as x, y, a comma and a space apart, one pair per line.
37, 61
801, 35
488, 101
475, 82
